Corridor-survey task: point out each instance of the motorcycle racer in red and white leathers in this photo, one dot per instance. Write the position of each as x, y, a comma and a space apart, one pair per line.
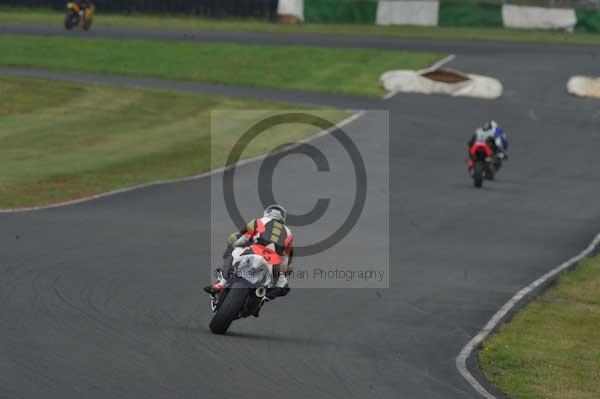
269, 231
492, 135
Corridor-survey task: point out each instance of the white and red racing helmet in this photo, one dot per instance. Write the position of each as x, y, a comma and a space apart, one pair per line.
276, 212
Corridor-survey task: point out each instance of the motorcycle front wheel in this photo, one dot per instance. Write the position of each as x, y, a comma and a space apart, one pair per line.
230, 308
70, 21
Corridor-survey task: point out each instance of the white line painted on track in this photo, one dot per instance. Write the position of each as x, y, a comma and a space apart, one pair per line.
532, 115
390, 95
442, 62
342, 123
465, 353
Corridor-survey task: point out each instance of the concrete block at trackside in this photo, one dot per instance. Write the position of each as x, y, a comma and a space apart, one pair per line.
290, 11
584, 86
408, 12
526, 17
441, 81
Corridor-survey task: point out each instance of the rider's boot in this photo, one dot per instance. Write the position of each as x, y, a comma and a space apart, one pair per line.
470, 165
218, 287
214, 289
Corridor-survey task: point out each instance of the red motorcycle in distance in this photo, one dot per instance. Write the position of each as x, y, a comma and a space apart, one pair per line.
481, 163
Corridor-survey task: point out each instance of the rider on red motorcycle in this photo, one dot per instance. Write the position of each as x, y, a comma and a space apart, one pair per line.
269, 231
493, 136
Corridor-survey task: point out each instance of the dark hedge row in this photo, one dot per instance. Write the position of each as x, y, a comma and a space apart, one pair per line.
208, 8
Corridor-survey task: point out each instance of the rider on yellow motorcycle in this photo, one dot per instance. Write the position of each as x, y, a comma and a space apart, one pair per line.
79, 13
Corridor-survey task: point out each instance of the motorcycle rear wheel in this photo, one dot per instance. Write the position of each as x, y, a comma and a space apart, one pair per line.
478, 170
231, 307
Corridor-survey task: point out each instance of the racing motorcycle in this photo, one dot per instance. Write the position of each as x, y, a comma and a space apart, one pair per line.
78, 16
245, 290
482, 163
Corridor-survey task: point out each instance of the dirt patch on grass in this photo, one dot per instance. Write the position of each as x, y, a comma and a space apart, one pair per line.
441, 75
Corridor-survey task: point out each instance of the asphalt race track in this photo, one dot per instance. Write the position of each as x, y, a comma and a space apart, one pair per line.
103, 299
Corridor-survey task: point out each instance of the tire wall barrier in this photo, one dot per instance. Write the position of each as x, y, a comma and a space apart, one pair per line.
538, 17
380, 12
448, 13
417, 12
588, 21
340, 11
291, 8
470, 14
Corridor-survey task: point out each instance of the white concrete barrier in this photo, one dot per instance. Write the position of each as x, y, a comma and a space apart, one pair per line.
404, 81
538, 17
293, 8
584, 86
412, 12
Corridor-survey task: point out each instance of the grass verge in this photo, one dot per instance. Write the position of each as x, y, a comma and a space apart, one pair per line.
37, 16
319, 69
551, 349
63, 141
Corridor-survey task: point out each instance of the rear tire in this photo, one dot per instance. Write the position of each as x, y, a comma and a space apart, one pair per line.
231, 307
87, 24
478, 174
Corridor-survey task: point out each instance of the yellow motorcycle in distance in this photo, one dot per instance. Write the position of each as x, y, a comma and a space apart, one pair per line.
79, 16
